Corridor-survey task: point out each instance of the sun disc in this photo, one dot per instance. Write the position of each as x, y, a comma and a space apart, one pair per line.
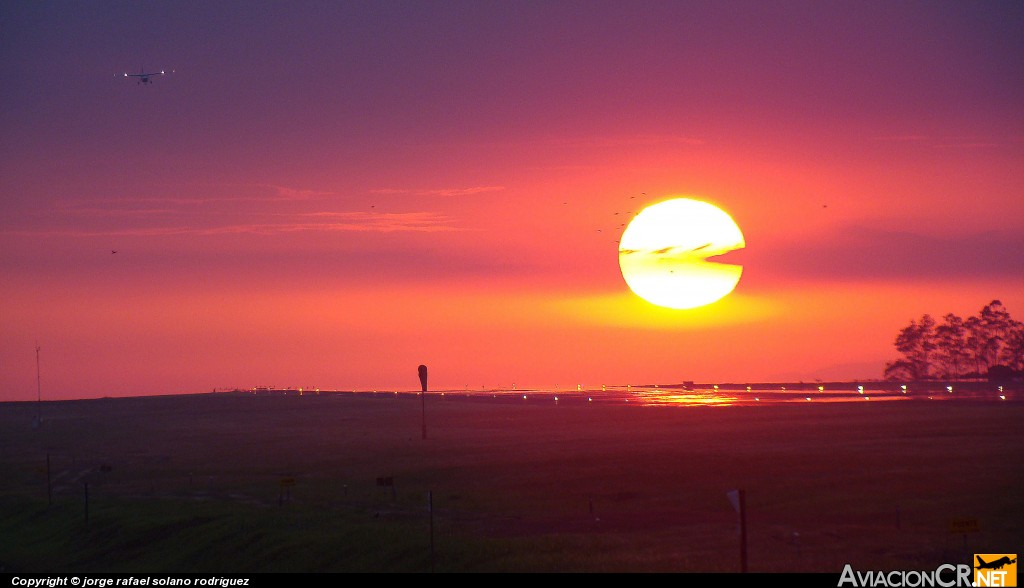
665, 252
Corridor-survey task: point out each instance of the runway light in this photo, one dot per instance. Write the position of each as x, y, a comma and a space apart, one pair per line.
1000, 389
590, 399
860, 389
748, 388
556, 399
867, 398
579, 387
524, 396
716, 387
949, 389
604, 389
757, 399
904, 387
821, 388
808, 399
1002, 397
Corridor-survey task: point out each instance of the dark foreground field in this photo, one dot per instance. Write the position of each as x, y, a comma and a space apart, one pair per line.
194, 484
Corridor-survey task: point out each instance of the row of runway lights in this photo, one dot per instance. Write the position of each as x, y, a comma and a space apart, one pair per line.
579, 388
860, 390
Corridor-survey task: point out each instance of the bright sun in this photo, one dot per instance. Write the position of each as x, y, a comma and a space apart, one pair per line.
664, 253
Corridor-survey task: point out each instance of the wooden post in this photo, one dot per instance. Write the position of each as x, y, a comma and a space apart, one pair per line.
743, 531
738, 498
430, 508
49, 484
86, 484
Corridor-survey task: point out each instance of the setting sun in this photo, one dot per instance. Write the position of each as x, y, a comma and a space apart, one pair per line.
664, 253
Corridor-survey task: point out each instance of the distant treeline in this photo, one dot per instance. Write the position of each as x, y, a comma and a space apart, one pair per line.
988, 345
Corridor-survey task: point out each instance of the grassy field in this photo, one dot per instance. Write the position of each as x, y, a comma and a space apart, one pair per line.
194, 484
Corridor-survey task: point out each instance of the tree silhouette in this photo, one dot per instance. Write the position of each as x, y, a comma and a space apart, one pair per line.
951, 341
916, 342
977, 341
992, 341
1014, 350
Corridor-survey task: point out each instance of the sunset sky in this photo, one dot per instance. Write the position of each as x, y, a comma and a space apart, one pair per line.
327, 194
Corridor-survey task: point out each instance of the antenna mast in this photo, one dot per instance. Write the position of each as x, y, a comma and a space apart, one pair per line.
39, 389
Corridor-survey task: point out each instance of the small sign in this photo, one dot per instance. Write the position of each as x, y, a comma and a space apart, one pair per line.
734, 499
961, 526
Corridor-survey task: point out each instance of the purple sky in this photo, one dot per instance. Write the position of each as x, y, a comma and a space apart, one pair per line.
333, 167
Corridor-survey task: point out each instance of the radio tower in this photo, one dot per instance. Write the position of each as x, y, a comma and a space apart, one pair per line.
39, 391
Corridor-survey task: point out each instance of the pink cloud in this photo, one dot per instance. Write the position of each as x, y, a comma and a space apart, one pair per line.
440, 191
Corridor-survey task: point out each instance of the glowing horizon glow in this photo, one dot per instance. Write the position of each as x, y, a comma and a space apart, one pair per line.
665, 250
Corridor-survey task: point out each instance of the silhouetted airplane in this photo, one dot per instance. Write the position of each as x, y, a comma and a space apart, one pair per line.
144, 76
995, 564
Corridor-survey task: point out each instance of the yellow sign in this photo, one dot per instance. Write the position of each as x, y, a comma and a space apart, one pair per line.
995, 569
